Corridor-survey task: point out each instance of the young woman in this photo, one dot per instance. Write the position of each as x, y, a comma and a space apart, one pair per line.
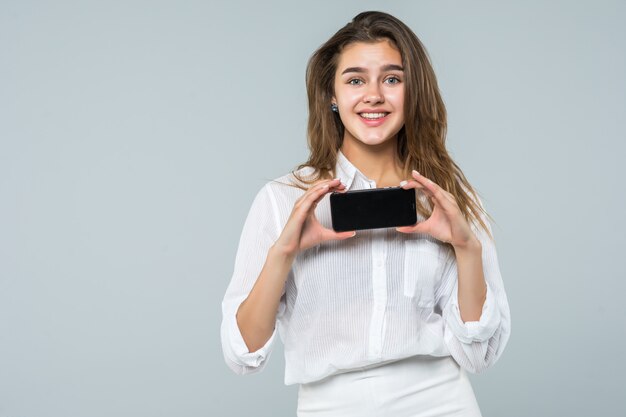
380, 322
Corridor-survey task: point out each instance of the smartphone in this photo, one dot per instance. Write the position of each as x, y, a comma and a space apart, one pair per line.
372, 208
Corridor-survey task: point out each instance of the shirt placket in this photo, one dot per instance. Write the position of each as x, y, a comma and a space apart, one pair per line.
379, 286
379, 289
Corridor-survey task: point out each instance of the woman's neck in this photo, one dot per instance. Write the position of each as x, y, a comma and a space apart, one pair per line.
377, 162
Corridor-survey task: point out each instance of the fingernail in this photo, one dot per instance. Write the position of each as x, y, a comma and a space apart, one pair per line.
402, 183
415, 172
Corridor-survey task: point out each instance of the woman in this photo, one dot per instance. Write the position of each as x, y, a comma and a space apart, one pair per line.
381, 322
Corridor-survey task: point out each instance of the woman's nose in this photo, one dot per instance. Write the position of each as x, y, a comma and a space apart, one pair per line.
373, 94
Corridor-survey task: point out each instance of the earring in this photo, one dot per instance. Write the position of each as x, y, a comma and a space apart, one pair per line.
334, 107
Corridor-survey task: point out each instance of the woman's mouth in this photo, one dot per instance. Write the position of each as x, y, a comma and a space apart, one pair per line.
373, 116
373, 119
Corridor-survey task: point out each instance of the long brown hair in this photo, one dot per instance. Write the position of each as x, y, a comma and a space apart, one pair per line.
420, 142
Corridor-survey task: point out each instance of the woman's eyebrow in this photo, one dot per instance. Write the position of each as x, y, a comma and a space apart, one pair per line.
388, 67
392, 67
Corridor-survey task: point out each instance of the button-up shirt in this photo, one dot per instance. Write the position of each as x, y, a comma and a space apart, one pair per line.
377, 297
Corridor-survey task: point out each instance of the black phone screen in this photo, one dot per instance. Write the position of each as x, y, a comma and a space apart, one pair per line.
372, 208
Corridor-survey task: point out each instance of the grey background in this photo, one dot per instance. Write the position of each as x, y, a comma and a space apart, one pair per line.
134, 135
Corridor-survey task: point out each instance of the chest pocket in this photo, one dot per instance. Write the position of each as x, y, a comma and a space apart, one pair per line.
423, 266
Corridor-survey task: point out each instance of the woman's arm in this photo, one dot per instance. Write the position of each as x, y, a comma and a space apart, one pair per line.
472, 286
256, 316
477, 338
257, 237
253, 299
476, 311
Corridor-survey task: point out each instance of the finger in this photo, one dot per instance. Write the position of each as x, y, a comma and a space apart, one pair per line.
416, 228
426, 182
316, 188
303, 205
324, 184
418, 187
412, 184
447, 195
439, 194
319, 184
333, 184
308, 202
328, 234
431, 185
316, 195
407, 185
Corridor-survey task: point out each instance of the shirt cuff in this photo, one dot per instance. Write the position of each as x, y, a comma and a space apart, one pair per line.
474, 331
240, 350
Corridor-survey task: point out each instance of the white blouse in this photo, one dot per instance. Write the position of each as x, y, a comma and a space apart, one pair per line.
377, 297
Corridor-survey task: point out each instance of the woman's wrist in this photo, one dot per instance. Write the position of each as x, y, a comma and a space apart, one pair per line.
281, 255
471, 245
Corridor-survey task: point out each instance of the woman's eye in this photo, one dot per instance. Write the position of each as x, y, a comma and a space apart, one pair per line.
355, 81
392, 80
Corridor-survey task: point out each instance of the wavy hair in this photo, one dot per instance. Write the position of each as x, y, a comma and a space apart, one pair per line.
420, 142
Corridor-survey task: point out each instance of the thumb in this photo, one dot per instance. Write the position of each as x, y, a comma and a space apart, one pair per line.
345, 235
332, 235
417, 228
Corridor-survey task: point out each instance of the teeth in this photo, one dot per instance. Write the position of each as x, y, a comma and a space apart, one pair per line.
373, 115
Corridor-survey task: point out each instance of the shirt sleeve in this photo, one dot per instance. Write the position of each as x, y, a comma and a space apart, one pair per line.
476, 345
259, 232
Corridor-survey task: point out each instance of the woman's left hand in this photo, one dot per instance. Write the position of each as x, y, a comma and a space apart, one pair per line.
446, 222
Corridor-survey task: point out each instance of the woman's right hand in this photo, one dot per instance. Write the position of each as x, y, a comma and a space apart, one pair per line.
302, 230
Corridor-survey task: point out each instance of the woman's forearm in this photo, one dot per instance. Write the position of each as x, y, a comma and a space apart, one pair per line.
256, 316
472, 285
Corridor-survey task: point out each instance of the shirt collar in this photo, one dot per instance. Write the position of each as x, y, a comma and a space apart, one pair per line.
347, 172
344, 170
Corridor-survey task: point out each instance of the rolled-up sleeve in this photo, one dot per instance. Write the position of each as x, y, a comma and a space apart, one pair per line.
259, 232
476, 345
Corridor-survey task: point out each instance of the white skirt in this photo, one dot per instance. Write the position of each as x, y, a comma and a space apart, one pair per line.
418, 386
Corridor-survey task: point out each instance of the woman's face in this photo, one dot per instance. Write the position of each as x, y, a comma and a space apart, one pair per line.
369, 92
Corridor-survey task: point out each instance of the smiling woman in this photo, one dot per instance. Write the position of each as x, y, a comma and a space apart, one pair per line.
369, 94
382, 322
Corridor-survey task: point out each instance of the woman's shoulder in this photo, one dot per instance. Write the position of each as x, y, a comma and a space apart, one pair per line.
291, 181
